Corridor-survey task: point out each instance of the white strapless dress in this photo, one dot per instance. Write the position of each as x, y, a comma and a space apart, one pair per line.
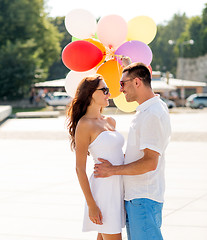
107, 192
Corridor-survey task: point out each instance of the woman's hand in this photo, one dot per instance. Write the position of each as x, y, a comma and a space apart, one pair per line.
95, 214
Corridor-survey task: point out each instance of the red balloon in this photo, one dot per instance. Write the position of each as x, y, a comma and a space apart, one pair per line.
150, 69
81, 56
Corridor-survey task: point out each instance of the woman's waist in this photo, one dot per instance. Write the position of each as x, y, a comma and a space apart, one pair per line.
113, 161
115, 179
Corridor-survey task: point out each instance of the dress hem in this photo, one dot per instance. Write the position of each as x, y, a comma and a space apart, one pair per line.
101, 232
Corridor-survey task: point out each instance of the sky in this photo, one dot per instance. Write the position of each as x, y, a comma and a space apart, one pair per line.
161, 11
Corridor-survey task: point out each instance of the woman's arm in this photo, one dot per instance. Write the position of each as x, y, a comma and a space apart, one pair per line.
82, 140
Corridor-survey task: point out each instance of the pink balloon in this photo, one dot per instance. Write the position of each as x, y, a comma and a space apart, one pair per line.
112, 30
137, 51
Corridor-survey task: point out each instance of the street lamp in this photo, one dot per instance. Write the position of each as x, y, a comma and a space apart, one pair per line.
181, 45
188, 42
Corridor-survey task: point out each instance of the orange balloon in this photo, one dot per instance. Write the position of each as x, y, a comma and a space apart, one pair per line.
111, 72
99, 45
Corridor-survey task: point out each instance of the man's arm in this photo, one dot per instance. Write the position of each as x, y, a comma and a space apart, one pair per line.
146, 164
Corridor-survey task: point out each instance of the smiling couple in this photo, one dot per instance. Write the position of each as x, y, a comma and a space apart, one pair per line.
125, 189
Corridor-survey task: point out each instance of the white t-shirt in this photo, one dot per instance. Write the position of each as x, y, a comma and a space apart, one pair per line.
150, 128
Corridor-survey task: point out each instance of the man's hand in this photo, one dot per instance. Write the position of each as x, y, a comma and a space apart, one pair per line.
125, 61
104, 169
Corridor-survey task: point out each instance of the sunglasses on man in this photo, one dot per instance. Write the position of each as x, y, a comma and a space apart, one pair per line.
123, 82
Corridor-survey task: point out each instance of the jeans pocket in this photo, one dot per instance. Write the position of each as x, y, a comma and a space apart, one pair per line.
137, 202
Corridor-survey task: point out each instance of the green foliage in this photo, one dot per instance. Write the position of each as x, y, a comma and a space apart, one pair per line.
204, 30
164, 55
31, 109
58, 70
180, 29
193, 32
17, 67
29, 44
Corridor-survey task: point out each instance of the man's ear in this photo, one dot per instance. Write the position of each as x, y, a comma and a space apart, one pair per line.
137, 81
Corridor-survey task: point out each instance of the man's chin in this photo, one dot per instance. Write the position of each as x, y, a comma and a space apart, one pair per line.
128, 99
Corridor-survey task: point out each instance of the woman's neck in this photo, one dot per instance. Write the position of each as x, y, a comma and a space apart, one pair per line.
93, 112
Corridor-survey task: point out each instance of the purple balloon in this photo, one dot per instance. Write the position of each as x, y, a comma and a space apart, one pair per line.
137, 51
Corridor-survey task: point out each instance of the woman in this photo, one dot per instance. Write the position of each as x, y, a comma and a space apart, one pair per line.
92, 133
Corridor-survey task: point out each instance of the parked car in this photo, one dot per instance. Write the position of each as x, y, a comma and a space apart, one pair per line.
57, 99
170, 103
197, 100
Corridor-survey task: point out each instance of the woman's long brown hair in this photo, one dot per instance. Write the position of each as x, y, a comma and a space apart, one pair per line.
80, 103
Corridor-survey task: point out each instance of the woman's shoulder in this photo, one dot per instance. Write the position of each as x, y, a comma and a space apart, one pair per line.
85, 123
83, 129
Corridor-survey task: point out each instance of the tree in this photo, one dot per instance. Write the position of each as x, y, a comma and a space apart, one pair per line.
193, 31
165, 55
204, 30
29, 44
58, 69
197, 30
17, 67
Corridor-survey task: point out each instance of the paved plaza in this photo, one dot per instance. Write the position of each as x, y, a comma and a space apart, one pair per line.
40, 198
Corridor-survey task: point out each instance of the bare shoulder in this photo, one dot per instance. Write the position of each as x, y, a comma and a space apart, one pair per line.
84, 125
111, 121
82, 136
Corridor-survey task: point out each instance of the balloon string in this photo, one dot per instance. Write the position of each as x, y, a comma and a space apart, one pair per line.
118, 66
109, 53
119, 56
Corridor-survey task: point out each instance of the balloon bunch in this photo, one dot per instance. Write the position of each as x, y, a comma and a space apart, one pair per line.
97, 48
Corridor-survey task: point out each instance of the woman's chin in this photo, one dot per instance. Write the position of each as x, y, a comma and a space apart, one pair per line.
107, 103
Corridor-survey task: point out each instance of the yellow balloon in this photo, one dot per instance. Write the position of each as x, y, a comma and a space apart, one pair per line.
111, 71
141, 28
123, 105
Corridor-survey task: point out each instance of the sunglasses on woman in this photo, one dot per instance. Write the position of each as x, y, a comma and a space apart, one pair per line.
105, 90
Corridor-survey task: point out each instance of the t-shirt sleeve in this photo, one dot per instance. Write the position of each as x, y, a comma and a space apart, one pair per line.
152, 134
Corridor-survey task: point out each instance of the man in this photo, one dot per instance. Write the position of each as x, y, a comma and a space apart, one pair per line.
144, 158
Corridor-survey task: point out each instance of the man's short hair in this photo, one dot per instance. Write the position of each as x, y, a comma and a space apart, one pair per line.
139, 70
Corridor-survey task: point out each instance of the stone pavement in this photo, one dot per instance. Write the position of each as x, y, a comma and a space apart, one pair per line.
40, 198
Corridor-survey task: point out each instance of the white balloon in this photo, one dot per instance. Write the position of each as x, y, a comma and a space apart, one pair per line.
80, 23
73, 79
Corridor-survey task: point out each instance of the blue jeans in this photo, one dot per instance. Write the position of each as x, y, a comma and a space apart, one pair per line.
143, 219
